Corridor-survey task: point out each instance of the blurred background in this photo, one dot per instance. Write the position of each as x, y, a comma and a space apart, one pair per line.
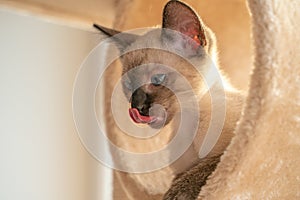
42, 45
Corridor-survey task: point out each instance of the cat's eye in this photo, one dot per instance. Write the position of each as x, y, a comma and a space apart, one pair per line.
158, 79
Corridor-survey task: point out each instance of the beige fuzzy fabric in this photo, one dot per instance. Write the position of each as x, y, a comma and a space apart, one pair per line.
263, 161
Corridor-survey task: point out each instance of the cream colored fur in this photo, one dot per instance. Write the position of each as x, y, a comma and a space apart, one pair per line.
263, 160
153, 185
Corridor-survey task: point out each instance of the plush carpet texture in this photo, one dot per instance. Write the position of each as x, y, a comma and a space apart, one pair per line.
263, 160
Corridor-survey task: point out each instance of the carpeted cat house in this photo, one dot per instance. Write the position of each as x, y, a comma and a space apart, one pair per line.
263, 160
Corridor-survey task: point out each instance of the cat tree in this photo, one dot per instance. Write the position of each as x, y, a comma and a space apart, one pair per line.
263, 160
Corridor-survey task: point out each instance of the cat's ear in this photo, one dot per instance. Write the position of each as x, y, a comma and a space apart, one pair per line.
180, 17
122, 40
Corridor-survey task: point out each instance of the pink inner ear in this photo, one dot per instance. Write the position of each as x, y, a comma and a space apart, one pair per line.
193, 34
180, 17
193, 30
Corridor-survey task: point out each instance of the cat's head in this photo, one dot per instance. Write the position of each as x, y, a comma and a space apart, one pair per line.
154, 63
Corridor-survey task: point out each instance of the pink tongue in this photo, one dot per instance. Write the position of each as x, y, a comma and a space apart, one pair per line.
138, 118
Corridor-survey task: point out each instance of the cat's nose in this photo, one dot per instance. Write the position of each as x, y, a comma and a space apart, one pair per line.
141, 101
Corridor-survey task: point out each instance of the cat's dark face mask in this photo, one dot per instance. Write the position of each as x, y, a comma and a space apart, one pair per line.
143, 111
147, 88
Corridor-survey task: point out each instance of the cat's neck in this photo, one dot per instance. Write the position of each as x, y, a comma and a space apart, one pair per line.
221, 103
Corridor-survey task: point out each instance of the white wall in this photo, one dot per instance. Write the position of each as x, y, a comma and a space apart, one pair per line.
41, 156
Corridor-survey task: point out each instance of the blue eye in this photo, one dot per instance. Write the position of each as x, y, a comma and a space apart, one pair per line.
158, 79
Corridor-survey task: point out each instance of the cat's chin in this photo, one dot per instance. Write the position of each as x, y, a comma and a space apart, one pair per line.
158, 122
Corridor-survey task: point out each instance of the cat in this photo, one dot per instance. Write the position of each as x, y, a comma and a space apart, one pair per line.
184, 40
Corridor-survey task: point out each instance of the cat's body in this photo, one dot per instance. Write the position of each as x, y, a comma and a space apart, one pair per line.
179, 53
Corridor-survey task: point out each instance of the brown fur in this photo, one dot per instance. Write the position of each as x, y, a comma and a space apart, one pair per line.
188, 184
149, 185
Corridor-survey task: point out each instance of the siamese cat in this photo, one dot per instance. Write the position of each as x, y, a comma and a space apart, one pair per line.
182, 41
